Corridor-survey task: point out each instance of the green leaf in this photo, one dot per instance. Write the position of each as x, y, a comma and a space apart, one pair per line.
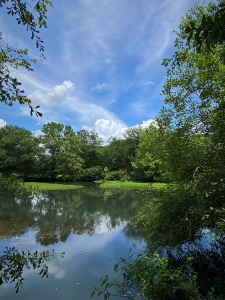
156, 280
116, 267
93, 293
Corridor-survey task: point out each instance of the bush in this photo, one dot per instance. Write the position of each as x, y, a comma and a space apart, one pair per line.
91, 174
113, 175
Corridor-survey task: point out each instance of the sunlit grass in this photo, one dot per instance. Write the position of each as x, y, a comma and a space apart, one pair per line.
130, 184
52, 186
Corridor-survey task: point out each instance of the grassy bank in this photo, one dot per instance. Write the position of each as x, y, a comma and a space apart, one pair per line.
130, 184
52, 186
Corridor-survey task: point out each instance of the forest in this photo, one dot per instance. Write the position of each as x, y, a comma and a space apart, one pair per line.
184, 147
63, 155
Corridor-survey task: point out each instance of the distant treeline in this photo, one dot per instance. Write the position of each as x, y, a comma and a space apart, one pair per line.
63, 154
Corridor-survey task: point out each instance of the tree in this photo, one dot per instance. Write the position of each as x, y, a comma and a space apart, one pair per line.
32, 15
70, 160
114, 154
147, 162
194, 150
18, 151
91, 146
120, 153
132, 137
61, 151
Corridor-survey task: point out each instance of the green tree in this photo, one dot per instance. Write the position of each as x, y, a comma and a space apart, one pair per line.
61, 151
148, 161
120, 153
91, 146
32, 15
191, 126
18, 151
70, 160
132, 138
114, 154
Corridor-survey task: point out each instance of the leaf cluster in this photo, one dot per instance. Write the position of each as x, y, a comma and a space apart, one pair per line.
149, 277
12, 264
32, 16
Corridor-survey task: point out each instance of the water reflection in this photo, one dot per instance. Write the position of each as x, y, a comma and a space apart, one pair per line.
57, 214
91, 225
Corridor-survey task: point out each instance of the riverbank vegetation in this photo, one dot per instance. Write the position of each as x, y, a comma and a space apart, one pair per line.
184, 221
129, 185
52, 186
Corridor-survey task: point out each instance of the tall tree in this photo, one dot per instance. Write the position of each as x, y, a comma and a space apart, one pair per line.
114, 154
61, 150
132, 138
148, 161
195, 116
91, 146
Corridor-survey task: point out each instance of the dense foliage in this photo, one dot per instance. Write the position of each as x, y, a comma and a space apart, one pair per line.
185, 221
62, 154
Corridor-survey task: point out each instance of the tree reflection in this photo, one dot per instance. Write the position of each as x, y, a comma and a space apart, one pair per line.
57, 214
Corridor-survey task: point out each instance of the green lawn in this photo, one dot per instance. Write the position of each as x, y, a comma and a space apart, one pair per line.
52, 186
129, 184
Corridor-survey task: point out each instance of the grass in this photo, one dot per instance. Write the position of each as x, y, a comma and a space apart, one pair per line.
129, 184
52, 186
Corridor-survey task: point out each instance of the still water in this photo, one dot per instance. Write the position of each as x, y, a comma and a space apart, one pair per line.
89, 224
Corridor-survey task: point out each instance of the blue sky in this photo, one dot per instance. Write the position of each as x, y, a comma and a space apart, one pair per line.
103, 63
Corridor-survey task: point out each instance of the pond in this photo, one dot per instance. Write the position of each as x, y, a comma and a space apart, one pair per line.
89, 224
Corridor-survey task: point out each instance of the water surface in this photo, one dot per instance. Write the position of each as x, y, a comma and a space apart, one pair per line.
90, 225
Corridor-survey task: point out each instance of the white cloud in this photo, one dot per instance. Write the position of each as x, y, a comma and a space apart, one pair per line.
57, 95
147, 83
37, 132
2, 123
59, 270
100, 87
145, 124
59, 101
109, 128
88, 112
54, 96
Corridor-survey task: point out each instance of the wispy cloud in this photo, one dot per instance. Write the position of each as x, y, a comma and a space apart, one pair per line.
111, 50
112, 101
147, 83
100, 87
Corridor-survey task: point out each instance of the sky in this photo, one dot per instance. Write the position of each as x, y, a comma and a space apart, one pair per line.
103, 67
